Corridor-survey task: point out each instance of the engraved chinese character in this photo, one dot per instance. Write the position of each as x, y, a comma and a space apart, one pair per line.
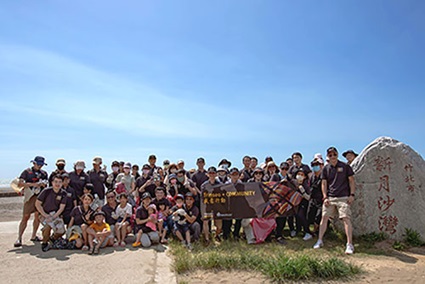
382, 164
410, 187
408, 168
388, 224
409, 179
384, 183
385, 204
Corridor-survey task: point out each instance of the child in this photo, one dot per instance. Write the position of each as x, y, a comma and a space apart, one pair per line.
122, 214
153, 217
181, 226
99, 233
162, 221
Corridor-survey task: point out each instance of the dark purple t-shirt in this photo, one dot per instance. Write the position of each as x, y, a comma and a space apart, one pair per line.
142, 214
50, 200
107, 209
98, 179
77, 182
337, 178
79, 215
30, 175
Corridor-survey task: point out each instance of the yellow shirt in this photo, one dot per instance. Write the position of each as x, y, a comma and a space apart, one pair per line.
99, 227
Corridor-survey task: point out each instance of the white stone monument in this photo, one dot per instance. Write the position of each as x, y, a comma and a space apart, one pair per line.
390, 195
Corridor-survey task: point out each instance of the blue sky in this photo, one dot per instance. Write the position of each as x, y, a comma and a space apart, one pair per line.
183, 79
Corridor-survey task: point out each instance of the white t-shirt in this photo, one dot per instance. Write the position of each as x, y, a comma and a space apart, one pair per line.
121, 211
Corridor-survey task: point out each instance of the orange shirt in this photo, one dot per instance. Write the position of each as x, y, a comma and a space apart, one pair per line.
100, 227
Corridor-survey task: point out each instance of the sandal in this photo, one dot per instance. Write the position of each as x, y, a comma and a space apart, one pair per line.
136, 244
35, 239
122, 244
96, 250
85, 248
91, 250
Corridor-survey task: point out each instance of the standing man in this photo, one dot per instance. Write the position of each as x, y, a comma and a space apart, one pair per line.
338, 188
246, 172
152, 164
200, 176
98, 179
111, 179
254, 163
33, 180
51, 203
60, 169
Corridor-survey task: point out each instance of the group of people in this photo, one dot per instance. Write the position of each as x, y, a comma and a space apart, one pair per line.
92, 209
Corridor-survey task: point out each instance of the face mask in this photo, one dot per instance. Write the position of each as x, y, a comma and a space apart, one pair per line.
127, 171
180, 179
61, 167
300, 178
79, 168
316, 168
145, 172
173, 171
115, 169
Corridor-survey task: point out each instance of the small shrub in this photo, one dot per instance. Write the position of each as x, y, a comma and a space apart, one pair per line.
398, 245
412, 238
373, 237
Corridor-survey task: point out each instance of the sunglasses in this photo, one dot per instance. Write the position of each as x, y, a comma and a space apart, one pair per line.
284, 169
258, 173
110, 197
332, 155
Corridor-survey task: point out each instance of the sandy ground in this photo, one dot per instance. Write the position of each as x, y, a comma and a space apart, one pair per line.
29, 265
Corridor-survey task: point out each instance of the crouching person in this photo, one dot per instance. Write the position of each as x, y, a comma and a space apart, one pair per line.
181, 221
145, 234
99, 233
50, 204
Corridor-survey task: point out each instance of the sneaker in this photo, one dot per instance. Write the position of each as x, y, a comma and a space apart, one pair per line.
349, 249
293, 234
189, 246
17, 244
318, 244
281, 240
84, 248
307, 237
136, 244
45, 247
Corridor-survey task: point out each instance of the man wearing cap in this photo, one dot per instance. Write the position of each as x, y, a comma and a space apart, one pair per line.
111, 179
33, 180
51, 203
78, 178
145, 182
200, 176
98, 178
338, 188
349, 155
60, 169
206, 186
147, 236
192, 216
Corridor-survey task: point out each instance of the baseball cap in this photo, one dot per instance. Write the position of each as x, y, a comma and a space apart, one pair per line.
180, 162
97, 160
166, 162
212, 169
99, 213
172, 176
189, 194
80, 163
146, 195
39, 161
127, 165
179, 196
234, 170
60, 161
146, 167
115, 164
152, 157
331, 149
200, 160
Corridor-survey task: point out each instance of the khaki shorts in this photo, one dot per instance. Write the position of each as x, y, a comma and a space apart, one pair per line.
29, 206
337, 206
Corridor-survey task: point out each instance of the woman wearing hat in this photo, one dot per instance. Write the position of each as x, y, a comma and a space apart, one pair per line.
272, 173
78, 178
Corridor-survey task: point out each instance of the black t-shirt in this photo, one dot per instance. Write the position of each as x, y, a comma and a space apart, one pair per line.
52, 200
193, 211
77, 182
247, 174
337, 178
111, 180
98, 179
142, 214
107, 209
316, 188
33, 176
273, 177
80, 215
294, 168
70, 198
199, 178
55, 173
150, 188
